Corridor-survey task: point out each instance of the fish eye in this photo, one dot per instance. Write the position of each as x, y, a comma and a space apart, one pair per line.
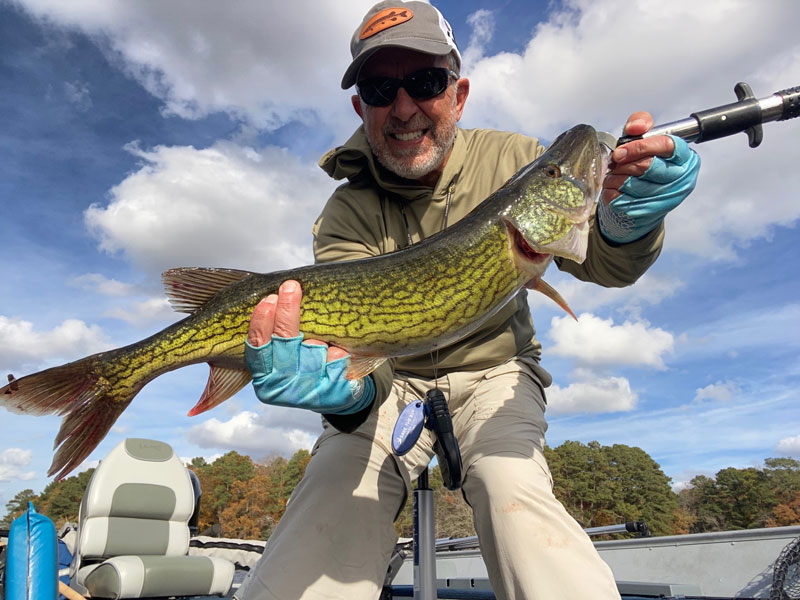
552, 171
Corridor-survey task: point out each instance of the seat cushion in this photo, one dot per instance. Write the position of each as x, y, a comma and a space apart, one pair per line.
149, 576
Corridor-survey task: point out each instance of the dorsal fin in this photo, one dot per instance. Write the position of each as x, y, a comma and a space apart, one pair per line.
189, 288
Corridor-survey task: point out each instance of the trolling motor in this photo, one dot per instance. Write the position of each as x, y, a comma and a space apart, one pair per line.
433, 414
747, 114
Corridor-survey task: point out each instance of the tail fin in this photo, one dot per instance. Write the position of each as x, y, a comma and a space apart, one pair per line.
80, 393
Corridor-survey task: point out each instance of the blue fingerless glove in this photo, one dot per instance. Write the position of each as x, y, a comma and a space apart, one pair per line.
287, 372
647, 199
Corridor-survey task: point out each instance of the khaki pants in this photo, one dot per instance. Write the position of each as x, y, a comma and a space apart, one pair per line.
336, 537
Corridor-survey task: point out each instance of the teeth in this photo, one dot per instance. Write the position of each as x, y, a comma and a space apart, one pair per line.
406, 137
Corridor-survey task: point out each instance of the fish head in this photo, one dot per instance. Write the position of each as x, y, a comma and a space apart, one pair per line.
553, 198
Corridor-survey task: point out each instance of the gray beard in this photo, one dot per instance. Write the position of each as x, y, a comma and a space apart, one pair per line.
406, 166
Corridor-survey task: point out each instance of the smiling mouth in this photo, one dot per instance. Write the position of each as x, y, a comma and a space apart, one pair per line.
408, 136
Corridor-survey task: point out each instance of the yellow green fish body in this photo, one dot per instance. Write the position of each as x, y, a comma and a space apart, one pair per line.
405, 303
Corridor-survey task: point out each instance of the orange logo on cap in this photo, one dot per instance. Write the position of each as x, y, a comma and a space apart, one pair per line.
385, 19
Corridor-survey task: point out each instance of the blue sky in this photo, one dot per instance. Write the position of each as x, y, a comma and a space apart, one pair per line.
142, 136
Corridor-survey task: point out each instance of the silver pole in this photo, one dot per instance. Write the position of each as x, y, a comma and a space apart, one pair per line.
621, 528
424, 541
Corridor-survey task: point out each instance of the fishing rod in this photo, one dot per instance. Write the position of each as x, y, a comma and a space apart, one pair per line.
747, 115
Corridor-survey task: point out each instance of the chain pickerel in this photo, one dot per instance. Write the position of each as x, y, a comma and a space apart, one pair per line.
404, 303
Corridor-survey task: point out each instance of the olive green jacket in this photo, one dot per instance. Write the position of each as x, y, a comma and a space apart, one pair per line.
375, 212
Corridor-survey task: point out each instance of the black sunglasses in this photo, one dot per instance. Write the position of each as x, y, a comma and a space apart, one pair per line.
420, 85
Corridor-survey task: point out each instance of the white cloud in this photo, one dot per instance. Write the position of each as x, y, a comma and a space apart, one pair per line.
228, 206
728, 210
565, 73
790, 446
599, 395
78, 94
570, 72
273, 431
721, 391
23, 346
651, 288
202, 58
101, 284
12, 464
482, 23
740, 331
599, 342
266, 62
152, 310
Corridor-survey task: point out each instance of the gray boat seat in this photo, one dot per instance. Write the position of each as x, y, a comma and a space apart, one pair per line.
133, 532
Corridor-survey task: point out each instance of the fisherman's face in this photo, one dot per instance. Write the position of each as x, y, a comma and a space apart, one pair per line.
410, 137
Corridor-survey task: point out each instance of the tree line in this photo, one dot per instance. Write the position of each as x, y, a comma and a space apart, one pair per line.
598, 485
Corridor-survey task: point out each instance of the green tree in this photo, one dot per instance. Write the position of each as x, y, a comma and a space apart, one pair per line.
19, 504
61, 500
582, 481
295, 469
700, 500
604, 485
744, 497
783, 478
216, 482
198, 462
644, 491
276, 493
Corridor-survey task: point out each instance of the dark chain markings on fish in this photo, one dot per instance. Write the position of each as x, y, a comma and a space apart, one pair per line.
405, 303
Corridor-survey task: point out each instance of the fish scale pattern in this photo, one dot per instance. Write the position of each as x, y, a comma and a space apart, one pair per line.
400, 304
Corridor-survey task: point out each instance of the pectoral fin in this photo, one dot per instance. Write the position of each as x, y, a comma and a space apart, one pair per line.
361, 366
540, 285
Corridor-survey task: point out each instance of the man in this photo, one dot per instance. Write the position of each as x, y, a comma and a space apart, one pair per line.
411, 172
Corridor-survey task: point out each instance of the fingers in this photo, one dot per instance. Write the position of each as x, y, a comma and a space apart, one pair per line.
279, 314
334, 352
634, 158
262, 321
638, 123
287, 310
643, 150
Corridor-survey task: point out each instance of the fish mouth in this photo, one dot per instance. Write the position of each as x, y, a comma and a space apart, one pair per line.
584, 161
557, 195
524, 249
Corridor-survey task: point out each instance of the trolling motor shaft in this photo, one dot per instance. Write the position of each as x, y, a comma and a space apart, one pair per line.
746, 114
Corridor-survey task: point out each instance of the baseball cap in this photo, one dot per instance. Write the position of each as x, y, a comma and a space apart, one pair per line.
393, 23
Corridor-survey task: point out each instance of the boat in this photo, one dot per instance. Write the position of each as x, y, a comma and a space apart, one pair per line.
737, 565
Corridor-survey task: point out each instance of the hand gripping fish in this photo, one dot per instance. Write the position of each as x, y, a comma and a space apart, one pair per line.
405, 303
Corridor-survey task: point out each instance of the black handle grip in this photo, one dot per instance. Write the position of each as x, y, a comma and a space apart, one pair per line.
791, 103
446, 445
747, 115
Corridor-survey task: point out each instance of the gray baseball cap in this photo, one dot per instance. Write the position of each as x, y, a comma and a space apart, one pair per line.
414, 25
